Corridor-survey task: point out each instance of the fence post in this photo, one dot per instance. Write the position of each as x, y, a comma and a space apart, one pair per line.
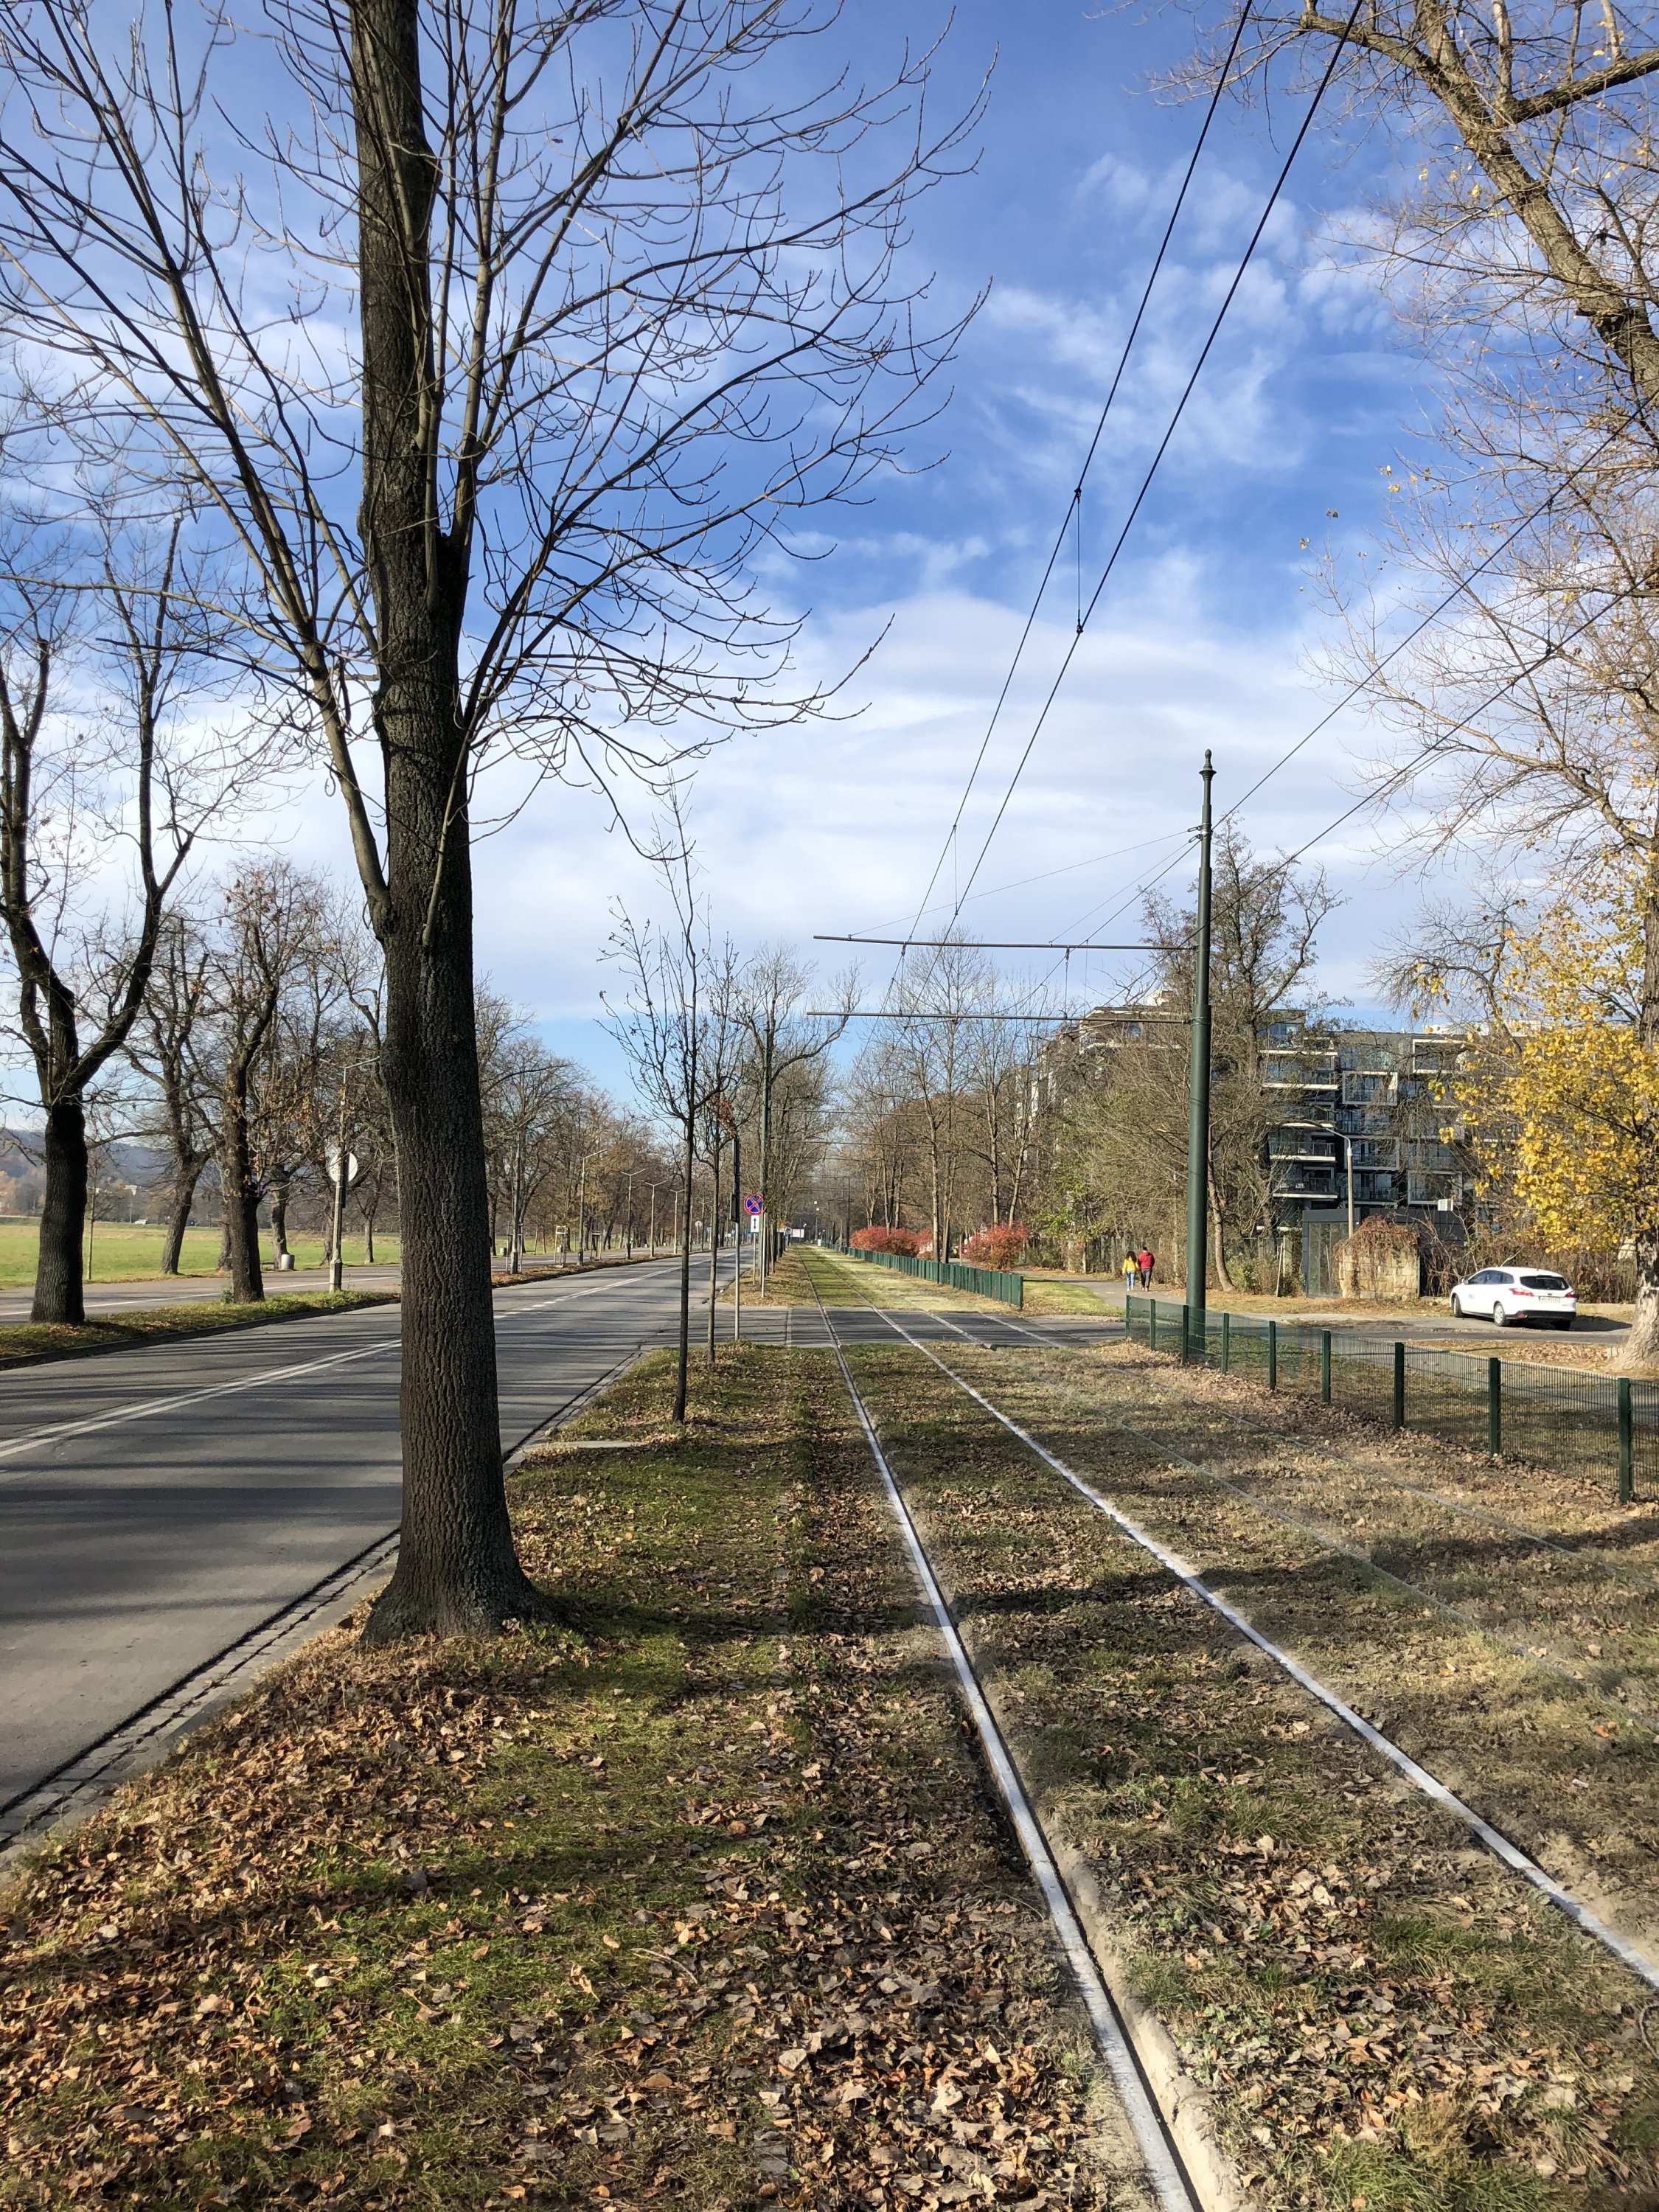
1400, 1386
1273, 1355
1226, 1339
1627, 1443
1186, 1334
1494, 1407
1152, 1324
1324, 1367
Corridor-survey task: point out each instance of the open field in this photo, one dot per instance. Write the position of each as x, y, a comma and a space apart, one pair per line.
128, 1252
22, 1343
695, 1894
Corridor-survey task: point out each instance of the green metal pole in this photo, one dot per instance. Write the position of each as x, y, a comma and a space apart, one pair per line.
1627, 1443
1400, 1386
1273, 1355
1226, 1341
1494, 1407
1324, 1367
1198, 1080
1152, 1324
1186, 1334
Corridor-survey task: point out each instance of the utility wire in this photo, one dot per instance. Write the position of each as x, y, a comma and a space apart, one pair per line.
1306, 124
1436, 745
1417, 630
1074, 510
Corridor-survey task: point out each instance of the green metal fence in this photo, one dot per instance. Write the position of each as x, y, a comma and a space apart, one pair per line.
1604, 1426
985, 1282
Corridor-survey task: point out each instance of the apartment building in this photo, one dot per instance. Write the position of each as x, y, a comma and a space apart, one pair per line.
1359, 1108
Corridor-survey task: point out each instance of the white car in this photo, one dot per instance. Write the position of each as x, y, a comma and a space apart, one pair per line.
1503, 1295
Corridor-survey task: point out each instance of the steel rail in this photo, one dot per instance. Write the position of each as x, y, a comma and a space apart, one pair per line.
1510, 1854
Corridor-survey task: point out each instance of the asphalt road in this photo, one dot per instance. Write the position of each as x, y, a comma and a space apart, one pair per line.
159, 1504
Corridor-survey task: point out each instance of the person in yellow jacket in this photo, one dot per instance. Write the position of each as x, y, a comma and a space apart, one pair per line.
1131, 1273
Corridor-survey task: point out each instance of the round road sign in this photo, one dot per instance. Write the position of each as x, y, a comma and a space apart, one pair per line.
754, 1203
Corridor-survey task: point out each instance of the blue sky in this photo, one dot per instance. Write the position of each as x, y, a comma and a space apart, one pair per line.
1203, 637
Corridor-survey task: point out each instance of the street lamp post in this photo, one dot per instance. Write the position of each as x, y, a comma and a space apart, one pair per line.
1198, 1087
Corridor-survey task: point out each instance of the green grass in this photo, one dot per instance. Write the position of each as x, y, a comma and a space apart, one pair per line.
23, 1343
130, 1251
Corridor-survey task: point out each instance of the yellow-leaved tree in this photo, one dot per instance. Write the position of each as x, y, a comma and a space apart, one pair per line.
1559, 1101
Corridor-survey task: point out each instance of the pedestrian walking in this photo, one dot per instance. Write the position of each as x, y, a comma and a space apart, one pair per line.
1131, 1273
1145, 1263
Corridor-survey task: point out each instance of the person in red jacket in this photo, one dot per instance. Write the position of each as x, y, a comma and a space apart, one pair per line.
1145, 1263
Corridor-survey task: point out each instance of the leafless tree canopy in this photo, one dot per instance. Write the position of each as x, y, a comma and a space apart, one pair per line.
660, 317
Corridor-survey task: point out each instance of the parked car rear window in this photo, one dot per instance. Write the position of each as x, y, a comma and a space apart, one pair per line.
1544, 1282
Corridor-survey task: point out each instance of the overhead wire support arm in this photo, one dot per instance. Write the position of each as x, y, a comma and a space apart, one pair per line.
978, 944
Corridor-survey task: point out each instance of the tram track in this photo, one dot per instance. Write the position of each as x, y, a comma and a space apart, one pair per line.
1184, 2170
1429, 1785
1204, 2168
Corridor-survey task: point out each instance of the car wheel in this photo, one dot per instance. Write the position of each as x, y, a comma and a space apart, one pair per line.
1500, 1318
1457, 1309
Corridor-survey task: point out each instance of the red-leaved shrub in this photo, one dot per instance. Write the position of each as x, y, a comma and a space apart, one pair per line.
903, 1241
1002, 1247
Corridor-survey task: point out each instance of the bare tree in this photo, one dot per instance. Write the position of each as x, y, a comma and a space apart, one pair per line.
269, 938
663, 1024
625, 302
163, 1048
1528, 731
131, 765
1538, 189
782, 1040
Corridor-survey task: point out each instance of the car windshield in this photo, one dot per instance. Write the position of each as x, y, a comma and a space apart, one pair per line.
1544, 1282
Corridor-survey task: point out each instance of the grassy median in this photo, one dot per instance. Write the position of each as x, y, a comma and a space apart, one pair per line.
24, 1344
695, 1897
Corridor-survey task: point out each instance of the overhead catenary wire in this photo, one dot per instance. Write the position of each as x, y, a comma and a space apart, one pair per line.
1426, 752
1410, 767
1338, 48
1073, 511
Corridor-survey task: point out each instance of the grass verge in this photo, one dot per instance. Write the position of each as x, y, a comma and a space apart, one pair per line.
129, 1251
843, 1282
1388, 2019
24, 1344
694, 1897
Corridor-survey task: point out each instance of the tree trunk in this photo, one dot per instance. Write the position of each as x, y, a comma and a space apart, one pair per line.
368, 1233
1218, 1245
456, 1572
184, 1198
279, 1194
57, 1273
685, 1273
241, 1202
